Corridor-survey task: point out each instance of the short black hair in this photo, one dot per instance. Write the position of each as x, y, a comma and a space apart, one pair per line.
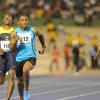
9, 15
22, 15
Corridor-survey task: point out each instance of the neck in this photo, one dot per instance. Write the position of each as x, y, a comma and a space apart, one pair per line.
6, 26
24, 28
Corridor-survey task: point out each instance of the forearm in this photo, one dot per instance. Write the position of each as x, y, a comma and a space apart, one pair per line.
1, 51
12, 44
13, 41
42, 40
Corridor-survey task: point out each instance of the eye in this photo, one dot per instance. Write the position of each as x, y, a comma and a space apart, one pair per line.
22, 19
26, 19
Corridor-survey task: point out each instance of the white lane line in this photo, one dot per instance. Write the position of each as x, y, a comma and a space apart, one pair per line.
53, 91
81, 95
57, 84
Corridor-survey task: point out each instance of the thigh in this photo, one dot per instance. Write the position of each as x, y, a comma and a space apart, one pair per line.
10, 61
2, 66
29, 64
19, 69
11, 72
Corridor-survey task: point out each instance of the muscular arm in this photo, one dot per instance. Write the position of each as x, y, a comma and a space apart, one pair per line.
42, 41
13, 39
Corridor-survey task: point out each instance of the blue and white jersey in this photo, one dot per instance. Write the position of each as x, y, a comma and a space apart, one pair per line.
26, 45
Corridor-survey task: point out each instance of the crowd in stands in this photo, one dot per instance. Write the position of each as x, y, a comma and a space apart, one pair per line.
80, 11
79, 50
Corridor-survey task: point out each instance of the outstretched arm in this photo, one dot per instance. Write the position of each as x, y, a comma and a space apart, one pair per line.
13, 39
42, 41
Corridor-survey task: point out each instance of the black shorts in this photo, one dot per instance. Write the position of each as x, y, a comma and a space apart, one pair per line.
19, 66
7, 62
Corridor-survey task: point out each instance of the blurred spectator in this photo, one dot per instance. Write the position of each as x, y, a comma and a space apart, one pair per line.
94, 63
67, 56
69, 39
82, 55
52, 33
55, 60
80, 39
57, 9
48, 11
40, 13
76, 56
94, 40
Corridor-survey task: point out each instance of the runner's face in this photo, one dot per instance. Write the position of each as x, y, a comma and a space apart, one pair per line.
8, 19
23, 22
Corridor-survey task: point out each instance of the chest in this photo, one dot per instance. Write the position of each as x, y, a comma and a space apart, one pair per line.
25, 38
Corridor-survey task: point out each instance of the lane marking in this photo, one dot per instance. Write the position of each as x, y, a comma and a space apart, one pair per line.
53, 91
81, 95
57, 84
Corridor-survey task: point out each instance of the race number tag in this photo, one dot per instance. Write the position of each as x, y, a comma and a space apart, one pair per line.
24, 38
5, 45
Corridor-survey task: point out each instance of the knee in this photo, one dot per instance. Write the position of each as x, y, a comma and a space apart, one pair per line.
11, 73
20, 80
1, 79
26, 69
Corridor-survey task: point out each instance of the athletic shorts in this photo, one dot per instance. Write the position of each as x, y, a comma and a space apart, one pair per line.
19, 66
7, 61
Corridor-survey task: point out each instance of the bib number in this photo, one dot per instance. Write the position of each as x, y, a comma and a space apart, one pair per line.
5, 45
24, 39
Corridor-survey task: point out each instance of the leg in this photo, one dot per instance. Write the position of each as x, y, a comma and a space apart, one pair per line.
77, 64
49, 45
54, 43
11, 84
20, 87
2, 71
26, 68
19, 75
1, 79
57, 65
11, 73
67, 59
51, 67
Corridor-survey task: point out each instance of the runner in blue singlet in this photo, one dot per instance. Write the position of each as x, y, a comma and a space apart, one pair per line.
25, 53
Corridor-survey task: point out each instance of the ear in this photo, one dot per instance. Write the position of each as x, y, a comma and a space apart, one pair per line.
18, 23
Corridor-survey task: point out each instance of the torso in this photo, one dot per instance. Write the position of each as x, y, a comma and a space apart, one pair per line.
25, 46
5, 38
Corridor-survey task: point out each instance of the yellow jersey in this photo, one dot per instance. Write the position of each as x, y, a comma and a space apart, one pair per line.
50, 26
10, 30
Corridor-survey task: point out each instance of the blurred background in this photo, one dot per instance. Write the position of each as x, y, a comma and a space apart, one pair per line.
71, 29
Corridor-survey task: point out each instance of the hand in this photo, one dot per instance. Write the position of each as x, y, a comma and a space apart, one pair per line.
98, 48
17, 38
1, 51
43, 50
